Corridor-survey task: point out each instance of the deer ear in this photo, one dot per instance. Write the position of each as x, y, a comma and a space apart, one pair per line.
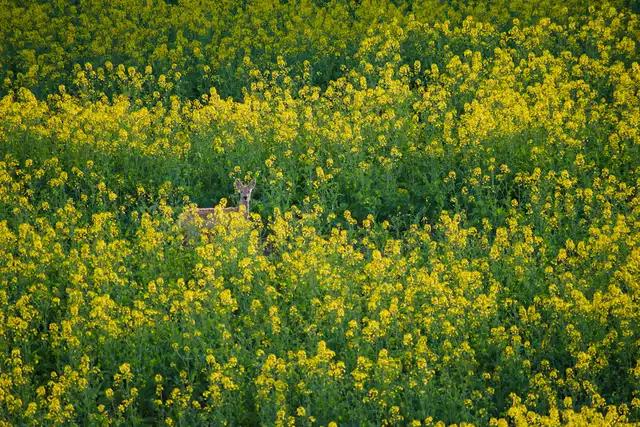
238, 185
252, 184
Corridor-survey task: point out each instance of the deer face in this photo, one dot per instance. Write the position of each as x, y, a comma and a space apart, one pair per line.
245, 191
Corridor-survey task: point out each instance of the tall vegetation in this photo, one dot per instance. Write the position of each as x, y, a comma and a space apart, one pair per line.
445, 227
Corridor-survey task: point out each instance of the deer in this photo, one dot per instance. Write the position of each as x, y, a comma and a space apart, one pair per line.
210, 216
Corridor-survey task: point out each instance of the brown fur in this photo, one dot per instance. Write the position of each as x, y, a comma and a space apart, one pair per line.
209, 215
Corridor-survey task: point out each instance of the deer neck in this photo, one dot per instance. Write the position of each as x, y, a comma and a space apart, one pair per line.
246, 209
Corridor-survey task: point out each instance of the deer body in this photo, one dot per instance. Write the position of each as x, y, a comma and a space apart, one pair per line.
211, 216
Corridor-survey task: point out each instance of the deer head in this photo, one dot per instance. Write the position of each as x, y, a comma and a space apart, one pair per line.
245, 192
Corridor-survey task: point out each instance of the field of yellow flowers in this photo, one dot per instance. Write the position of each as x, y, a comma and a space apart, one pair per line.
445, 227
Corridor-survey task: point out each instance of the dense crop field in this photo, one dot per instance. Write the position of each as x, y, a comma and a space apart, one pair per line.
445, 227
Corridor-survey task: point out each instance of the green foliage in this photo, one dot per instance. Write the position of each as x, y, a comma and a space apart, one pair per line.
445, 226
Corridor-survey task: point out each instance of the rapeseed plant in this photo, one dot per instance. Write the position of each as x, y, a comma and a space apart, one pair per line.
446, 226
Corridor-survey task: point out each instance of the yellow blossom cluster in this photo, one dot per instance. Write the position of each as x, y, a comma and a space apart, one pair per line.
445, 228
